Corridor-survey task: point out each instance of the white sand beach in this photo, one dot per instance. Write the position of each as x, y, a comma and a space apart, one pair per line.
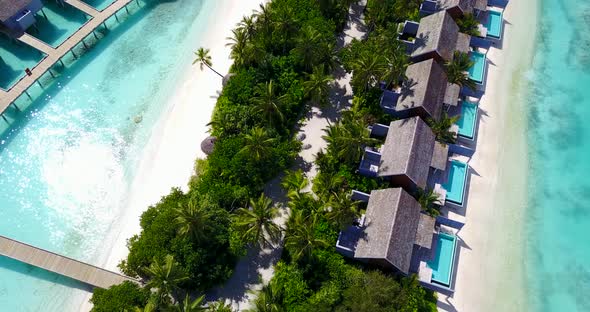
490, 271
168, 160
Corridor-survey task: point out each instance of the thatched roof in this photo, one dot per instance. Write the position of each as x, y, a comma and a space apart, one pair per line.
436, 33
425, 87
481, 5
208, 144
425, 231
391, 221
8, 8
465, 6
408, 150
452, 94
440, 156
463, 43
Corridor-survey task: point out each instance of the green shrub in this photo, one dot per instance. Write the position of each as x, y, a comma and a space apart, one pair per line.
122, 297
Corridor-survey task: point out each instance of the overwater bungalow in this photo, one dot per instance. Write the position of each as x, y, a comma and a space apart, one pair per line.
396, 235
18, 15
411, 158
421, 94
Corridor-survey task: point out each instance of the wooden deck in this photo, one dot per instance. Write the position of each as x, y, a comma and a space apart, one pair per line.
55, 54
80, 271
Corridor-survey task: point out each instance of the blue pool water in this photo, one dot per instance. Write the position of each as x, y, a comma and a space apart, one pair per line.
476, 71
67, 161
14, 58
443, 262
60, 24
467, 120
558, 215
455, 184
494, 24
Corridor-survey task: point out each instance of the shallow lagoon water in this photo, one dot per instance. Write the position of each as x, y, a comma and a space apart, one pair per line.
558, 218
67, 161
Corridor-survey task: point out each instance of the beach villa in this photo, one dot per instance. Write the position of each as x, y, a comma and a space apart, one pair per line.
18, 15
438, 37
394, 234
412, 159
421, 94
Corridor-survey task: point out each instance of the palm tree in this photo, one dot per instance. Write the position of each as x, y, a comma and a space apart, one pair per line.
427, 200
220, 306
457, 70
469, 25
256, 223
268, 299
348, 138
268, 103
317, 86
165, 277
151, 306
241, 51
301, 239
248, 26
442, 128
396, 63
204, 59
367, 69
342, 209
262, 15
294, 181
191, 306
327, 183
258, 144
307, 47
192, 220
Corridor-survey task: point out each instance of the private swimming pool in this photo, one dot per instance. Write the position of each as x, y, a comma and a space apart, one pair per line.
467, 121
455, 184
443, 262
476, 71
494, 24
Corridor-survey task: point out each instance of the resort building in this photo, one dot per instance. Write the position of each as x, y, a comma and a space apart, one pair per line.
412, 159
422, 93
18, 15
394, 234
406, 157
438, 38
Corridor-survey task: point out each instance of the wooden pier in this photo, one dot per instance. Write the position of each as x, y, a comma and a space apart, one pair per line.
80, 271
54, 55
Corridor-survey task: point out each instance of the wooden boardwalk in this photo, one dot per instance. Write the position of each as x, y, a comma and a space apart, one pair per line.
80, 271
55, 54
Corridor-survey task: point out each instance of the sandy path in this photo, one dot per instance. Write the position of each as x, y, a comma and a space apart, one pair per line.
490, 270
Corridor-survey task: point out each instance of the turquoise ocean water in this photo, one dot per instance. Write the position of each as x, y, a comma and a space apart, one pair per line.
67, 161
558, 217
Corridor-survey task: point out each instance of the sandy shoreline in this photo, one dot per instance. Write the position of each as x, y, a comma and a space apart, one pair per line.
490, 270
169, 157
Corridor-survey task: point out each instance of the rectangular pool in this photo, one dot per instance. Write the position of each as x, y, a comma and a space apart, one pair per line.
479, 63
468, 118
494, 24
456, 181
443, 262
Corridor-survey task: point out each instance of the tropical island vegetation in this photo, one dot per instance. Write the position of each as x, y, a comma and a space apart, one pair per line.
284, 58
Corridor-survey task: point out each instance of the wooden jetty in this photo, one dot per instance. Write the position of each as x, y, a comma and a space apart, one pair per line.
54, 55
50, 261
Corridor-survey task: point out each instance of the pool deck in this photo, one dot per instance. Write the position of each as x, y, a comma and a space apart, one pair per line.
47, 260
55, 54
